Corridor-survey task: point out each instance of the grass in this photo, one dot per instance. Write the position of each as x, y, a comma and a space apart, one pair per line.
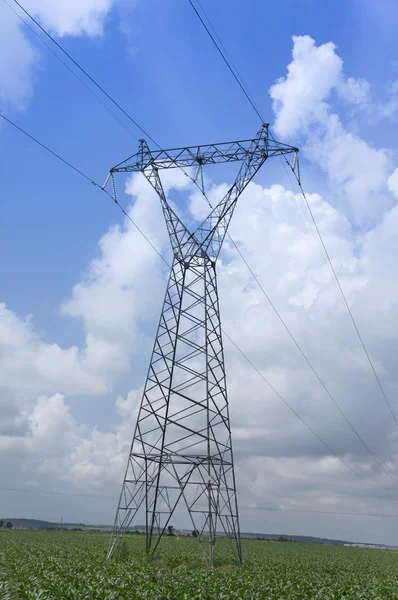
39, 565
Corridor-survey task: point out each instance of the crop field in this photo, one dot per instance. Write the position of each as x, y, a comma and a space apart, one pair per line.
70, 566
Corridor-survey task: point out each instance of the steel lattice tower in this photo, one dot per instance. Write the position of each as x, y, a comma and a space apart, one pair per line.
182, 449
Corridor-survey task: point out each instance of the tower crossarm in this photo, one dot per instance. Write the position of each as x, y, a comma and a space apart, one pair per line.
192, 156
207, 239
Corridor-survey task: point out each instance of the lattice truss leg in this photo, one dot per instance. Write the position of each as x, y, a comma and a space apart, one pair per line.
181, 453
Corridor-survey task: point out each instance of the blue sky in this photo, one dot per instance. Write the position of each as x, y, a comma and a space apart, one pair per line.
160, 65
156, 60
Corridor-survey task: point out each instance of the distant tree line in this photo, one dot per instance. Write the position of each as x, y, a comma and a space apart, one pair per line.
7, 525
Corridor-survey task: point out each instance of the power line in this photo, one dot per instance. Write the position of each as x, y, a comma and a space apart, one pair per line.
69, 69
261, 118
85, 73
49, 150
122, 209
307, 360
258, 112
298, 178
301, 419
224, 332
115, 200
241, 84
242, 87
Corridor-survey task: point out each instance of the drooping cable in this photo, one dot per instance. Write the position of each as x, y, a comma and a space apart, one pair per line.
340, 288
309, 363
49, 150
85, 73
325, 444
56, 155
75, 62
299, 348
70, 70
242, 87
202, 190
114, 198
231, 63
241, 84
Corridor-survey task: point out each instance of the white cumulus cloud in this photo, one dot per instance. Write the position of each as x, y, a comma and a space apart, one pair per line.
303, 104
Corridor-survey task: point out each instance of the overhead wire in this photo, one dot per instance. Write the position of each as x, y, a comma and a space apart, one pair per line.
244, 89
71, 166
49, 150
226, 61
82, 174
303, 354
325, 444
241, 84
85, 72
339, 286
309, 363
298, 178
69, 69
236, 72
353, 320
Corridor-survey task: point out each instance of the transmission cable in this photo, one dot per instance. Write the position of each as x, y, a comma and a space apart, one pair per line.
85, 72
226, 61
298, 178
201, 189
92, 80
128, 216
114, 198
303, 354
301, 419
231, 63
329, 260
49, 150
224, 332
69, 69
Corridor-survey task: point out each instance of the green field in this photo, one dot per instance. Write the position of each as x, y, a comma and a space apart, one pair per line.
70, 566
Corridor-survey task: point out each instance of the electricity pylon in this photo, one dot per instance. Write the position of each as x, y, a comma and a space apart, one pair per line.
182, 449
